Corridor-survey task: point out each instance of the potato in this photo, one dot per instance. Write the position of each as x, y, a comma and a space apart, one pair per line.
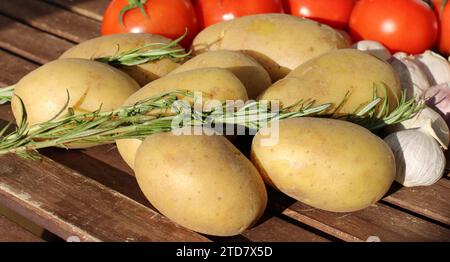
278, 42
114, 44
328, 78
215, 83
89, 84
254, 77
201, 182
328, 164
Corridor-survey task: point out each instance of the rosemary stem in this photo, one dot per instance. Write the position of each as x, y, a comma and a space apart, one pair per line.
150, 116
6, 94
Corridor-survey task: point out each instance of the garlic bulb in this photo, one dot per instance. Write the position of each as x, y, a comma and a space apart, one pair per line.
412, 77
435, 66
438, 98
418, 157
374, 48
428, 121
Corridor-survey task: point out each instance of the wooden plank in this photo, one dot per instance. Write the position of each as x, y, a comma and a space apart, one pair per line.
13, 68
98, 168
89, 8
69, 204
11, 232
278, 230
378, 221
431, 201
51, 19
30, 43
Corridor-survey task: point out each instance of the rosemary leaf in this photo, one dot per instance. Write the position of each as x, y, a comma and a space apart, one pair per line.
141, 55
139, 120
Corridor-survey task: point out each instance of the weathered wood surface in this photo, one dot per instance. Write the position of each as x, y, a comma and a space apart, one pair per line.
69, 204
89, 8
38, 33
11, 232
49, 18
380, 221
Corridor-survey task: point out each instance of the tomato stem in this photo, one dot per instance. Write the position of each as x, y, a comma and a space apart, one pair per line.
444, 2
132, 4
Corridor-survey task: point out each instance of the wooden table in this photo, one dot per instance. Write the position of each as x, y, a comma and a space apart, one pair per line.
92, 194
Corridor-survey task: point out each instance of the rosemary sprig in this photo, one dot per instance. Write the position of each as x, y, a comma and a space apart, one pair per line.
6, 94
146, 117
141, 55
148, 53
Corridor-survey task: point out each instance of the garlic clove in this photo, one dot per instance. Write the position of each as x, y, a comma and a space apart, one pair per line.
429, 130
419, 158
412, 77
429, 122
438, 98
374, 48
436, 67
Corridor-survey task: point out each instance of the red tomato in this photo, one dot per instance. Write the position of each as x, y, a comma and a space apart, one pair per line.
401, 25
169, 18
214, 11
443, 43
335, 13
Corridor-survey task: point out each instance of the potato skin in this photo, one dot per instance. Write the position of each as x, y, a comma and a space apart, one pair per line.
254, 77
328, 164
328, 78
215, 83
90, 85
278, 42
201, 182
114, 44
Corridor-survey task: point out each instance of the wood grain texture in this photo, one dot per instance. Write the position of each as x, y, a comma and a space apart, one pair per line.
30, 43
278, 230
90, 8
381, 221
69, 204
13, 68
11, 232
52, 19
98, 168
431, 201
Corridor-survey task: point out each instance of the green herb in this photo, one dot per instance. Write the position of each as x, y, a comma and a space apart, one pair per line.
145, 54
148, 53
148, 117
6, 94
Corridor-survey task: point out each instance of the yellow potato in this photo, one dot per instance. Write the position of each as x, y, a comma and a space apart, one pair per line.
90, 85
328, 164
278, 42
328, 78
202, 183
214, 83
254, 77
115, 44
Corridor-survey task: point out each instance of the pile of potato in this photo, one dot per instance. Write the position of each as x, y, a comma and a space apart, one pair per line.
205, 183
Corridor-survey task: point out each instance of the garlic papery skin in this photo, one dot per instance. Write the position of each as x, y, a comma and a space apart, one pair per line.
412, 78
429, 122
374, 48
418, 157
438, 98
435, 66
